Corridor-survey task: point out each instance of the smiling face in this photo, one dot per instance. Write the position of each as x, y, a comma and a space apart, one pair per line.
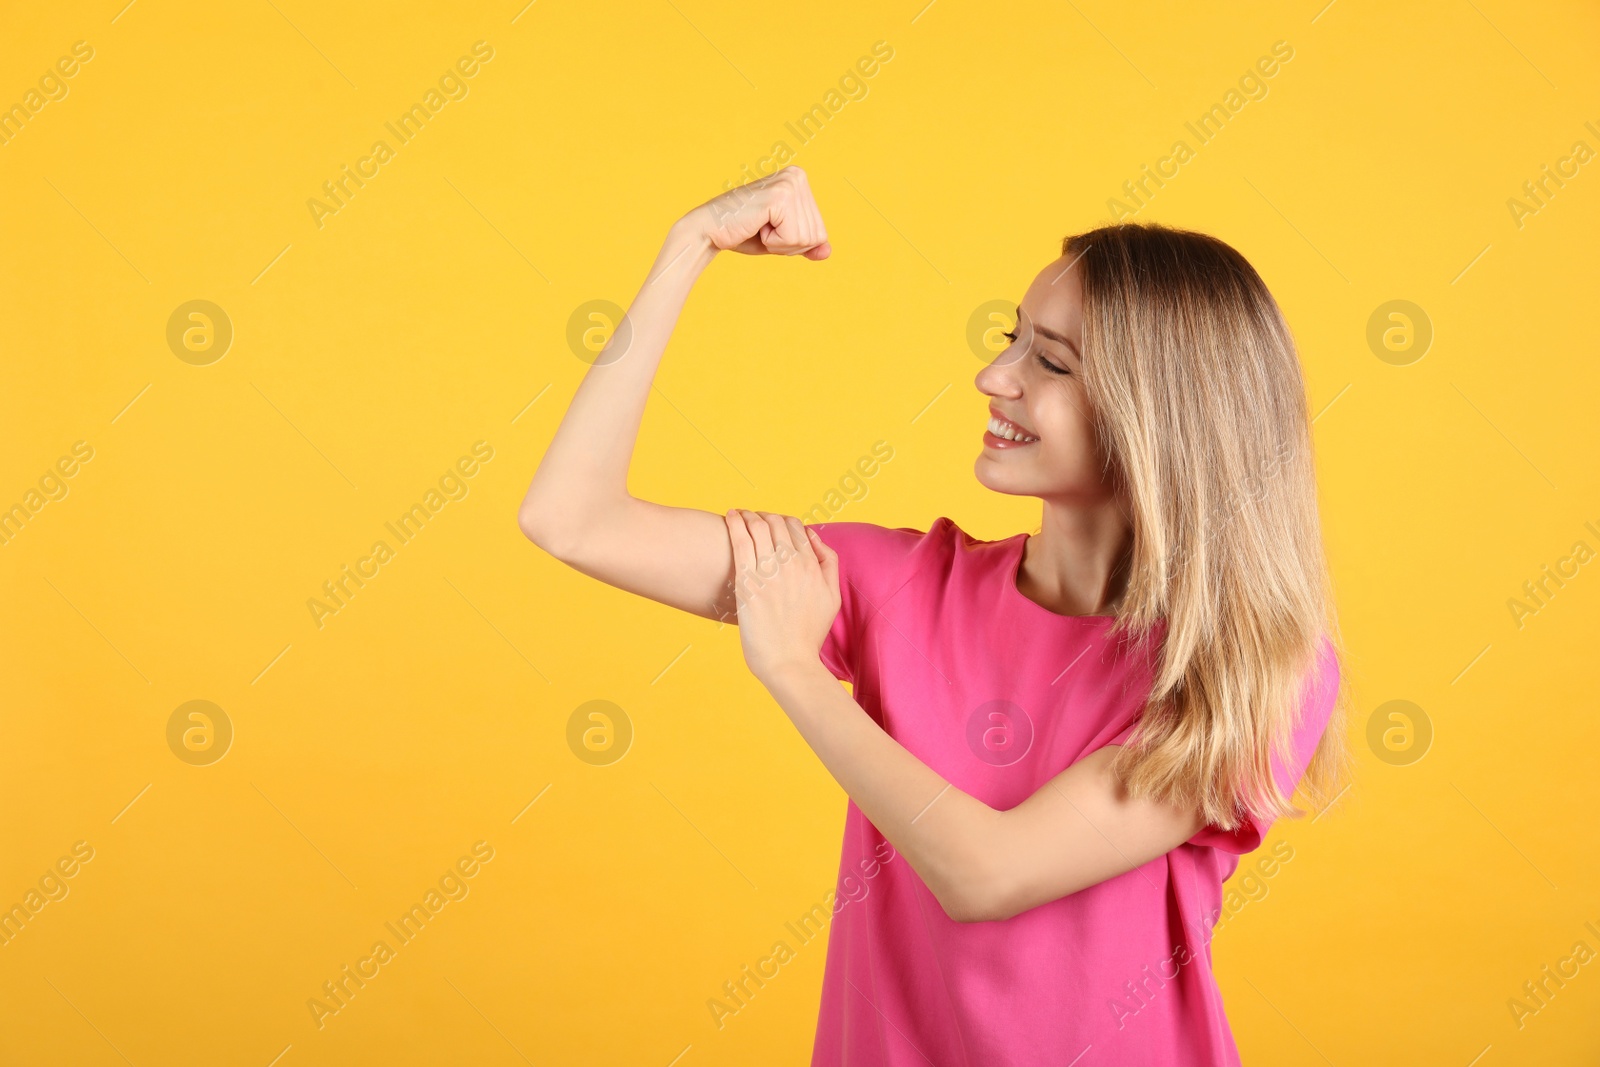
1044, 442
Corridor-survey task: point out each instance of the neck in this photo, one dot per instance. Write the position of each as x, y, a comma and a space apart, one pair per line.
1078, 562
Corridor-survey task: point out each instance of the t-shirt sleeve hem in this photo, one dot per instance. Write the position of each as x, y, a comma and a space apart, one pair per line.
1246, 837
871, 560
1318, 696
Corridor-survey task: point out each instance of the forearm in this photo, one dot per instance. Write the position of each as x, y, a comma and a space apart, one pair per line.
950, 839
585, 468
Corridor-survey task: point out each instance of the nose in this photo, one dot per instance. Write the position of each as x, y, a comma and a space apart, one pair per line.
999, 376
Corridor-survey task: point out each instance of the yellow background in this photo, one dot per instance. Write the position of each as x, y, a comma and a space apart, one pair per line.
370, 353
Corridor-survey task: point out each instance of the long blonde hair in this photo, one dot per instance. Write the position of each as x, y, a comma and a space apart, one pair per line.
1202, 415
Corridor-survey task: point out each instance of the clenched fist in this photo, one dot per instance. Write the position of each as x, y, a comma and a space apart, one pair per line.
775, 215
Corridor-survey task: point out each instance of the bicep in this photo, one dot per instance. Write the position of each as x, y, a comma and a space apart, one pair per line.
1079, 830
680, 557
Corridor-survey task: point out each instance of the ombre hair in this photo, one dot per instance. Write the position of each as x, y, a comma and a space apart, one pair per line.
1201, 416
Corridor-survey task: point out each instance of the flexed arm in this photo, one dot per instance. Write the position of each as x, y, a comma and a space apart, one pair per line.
578, 507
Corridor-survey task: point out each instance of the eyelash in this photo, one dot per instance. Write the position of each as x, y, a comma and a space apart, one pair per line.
1045, 363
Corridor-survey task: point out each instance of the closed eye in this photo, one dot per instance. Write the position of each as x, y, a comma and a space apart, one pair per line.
1045, 363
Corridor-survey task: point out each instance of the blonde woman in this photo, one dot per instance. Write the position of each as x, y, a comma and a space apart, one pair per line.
1056, 746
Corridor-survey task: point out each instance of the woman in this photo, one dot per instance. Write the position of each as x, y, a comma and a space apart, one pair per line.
1056, 746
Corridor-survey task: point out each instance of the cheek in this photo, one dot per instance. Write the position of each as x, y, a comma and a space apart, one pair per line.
1073, 463
1069, 431
1069, 419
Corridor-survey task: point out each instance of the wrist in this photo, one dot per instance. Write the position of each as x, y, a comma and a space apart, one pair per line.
693, 230
791, 674
684, 255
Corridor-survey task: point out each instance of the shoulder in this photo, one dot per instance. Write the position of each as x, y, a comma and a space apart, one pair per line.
882, 557
867, 542
867, 537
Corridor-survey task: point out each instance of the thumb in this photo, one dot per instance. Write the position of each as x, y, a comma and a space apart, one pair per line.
821, 251
827, 558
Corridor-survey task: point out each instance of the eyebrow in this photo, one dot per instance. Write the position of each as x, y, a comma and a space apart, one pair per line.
1056, 337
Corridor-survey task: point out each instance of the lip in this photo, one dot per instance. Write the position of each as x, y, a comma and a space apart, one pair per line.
1001, 443
997, 413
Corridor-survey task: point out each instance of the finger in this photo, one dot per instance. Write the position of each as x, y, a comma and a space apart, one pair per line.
818, 231
781, 241
807, 224
814, 214
785, 543
798, 538
826, 556
778, 217
782, 551
824, 550
739, 539
776, 240
782, 544
794, 220
760, 535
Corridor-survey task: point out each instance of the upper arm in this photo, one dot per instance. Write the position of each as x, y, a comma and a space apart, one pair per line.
680, 557
1080, 829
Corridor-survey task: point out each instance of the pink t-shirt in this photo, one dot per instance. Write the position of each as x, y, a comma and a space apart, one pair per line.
998, 695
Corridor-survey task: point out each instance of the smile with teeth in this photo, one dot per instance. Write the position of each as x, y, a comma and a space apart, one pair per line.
1007, 431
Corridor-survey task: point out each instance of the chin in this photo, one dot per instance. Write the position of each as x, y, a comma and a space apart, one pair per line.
987, 479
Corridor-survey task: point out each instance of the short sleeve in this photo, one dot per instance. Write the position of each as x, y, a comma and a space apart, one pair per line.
871, 560
1319, 695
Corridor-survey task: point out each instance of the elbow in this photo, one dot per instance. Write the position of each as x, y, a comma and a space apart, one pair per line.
978, 895
1000, 894
566, 528
528, 521
963, 909
535, 524
974, 871
977, 908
